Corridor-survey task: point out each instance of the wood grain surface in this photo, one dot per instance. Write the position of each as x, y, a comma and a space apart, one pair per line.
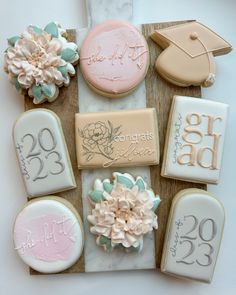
159, 95
65, 106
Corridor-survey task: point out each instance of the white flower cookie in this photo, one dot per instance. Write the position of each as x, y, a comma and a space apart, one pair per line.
123, 212
40, 61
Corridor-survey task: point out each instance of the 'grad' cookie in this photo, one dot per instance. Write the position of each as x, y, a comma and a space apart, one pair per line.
48, 234
188, 56
195, 140
114, 58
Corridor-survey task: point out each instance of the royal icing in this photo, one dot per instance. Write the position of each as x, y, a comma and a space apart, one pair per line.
42, 153
121, 138
114, 57
195, 140
40, 61
193, 235
48, 236
123, 212
188, 56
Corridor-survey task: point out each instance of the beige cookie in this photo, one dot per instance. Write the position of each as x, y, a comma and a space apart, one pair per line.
188, 55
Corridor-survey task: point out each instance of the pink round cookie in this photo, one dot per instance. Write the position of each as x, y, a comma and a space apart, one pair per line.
48, 234
114, 58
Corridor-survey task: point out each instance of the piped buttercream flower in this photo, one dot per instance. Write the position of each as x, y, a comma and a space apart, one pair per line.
40, 61
123, 212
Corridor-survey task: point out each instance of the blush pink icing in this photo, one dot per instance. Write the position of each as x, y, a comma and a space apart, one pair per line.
114, 57
48, 237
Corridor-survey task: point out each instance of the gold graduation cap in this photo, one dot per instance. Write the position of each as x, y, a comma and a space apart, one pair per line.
188, 58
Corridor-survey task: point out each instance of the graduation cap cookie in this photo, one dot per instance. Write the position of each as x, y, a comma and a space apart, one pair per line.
188, 55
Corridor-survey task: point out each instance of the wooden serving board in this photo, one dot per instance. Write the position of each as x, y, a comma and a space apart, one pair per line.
65, 106
159, 94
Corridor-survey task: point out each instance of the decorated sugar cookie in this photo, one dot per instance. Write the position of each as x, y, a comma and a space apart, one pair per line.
114, 58
123, 212
188, 55
42, 153
117, 139
193, 235
39, 61
48, 234
195, 140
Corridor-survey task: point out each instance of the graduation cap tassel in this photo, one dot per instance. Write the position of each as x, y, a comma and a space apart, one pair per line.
211, 77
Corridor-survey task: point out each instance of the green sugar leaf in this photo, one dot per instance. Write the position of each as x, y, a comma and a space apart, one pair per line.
108, 187
125, 181
140, 184
68, 54
37, 92
37, 30
12, 40
52, 29
96, 196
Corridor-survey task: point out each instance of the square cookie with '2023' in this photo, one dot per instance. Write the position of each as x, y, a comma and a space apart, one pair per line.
117, 139
195, 140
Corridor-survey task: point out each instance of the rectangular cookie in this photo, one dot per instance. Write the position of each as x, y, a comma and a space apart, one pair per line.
195, 140
117, 139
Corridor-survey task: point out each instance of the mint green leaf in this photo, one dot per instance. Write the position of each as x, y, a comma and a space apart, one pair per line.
12, 40
108, 187
156, 203
125, 181
96, 196
140, 184
52, 29
37, 30
134, 249
37, 92
105, 241
15, 82
68, 54
47, 90
63, 71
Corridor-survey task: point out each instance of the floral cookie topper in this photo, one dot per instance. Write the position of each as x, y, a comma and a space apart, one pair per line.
40, 61
123, 212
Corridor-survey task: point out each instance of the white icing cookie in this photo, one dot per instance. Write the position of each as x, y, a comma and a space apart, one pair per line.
39, 61
195, 140
123, 212
48, 234
42, 153
193, 235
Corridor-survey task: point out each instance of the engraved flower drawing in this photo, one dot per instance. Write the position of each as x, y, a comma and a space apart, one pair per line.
98, 139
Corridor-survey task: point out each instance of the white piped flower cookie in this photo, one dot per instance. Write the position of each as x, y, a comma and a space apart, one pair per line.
123, 212
40, 61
